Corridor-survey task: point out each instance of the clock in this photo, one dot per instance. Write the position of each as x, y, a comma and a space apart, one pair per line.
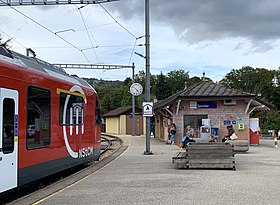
136, 89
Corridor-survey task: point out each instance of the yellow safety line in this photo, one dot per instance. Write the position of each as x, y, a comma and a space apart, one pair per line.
69, 186
58, 91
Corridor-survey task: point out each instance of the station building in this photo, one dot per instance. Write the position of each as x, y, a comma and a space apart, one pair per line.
119, 121
208, 108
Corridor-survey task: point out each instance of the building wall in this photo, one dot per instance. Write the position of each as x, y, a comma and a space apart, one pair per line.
218, 118
112, 125
122, 125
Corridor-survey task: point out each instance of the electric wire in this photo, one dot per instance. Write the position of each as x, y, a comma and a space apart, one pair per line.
82, 17
136, 38
87, 30
116, 20
13, 39
106, 24
94, 51
41, 25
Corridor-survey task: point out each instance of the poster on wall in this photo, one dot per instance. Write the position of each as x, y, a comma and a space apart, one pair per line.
226, 122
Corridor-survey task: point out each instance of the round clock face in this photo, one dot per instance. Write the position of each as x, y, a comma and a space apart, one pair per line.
136, 89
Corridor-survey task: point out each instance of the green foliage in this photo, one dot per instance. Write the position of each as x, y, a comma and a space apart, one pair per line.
263, 82
270, 120
162, 90
260, 81
176, 80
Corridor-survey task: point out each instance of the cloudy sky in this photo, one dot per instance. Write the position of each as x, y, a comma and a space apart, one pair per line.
214, 36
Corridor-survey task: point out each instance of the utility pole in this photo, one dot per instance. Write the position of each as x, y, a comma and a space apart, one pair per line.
147, 89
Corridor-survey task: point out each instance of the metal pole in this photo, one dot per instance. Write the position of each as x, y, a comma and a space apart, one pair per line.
133, 106
147, 34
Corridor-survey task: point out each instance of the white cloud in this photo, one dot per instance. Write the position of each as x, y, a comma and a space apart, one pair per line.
212, 36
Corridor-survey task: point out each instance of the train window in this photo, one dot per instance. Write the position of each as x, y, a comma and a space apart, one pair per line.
98, 118
73, 106
8, 125
38, 117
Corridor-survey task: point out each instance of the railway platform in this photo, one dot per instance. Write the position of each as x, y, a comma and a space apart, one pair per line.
130, 177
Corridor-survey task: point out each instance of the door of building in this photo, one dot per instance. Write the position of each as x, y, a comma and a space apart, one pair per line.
8, 138
138, 125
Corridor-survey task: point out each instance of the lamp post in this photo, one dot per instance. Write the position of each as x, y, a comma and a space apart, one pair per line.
147, 89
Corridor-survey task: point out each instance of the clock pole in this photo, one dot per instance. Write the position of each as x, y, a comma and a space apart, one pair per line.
133, 106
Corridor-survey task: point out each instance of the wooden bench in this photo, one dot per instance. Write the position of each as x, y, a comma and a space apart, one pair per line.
240, 145
206, 155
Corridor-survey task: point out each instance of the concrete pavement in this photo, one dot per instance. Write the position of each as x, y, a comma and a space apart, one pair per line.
134, 178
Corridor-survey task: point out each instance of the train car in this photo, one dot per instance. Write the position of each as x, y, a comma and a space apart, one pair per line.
49, 120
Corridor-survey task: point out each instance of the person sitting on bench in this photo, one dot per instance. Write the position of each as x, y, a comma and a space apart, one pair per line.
230, 132
188, 137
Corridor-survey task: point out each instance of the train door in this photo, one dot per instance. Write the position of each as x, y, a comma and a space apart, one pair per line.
8, 138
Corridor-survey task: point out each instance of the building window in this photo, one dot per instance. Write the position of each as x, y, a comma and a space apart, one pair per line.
195, 121
71, 111
38, 117
8, 125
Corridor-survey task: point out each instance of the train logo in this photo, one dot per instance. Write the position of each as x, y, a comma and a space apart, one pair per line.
76, 110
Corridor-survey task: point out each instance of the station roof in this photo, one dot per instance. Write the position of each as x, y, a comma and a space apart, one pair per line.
122, 111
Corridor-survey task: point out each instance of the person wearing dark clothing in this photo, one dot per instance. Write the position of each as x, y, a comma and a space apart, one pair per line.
230, 132
172, 133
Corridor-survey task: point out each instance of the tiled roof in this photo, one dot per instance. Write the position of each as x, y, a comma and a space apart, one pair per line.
204, 89
209, 88
121, 110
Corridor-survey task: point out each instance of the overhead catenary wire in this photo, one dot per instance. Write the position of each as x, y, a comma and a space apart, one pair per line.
82, 50
116, 20
41, 25
13, 39
136, 38
93, 47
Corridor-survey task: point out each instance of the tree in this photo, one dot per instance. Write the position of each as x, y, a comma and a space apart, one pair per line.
162, 89
269, 120
176, 80
194, 80
260, 81
243, 79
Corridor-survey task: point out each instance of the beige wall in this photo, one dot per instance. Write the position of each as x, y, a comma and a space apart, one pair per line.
144, 126
122, 125
112, 125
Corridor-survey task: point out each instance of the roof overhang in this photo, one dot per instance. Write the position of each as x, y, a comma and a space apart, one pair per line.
256, 105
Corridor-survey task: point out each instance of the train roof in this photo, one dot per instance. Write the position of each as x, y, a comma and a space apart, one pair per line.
39, 65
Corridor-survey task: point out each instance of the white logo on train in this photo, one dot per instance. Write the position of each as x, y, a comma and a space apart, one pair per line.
83, 152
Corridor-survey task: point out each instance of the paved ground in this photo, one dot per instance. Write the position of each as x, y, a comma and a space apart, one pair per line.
134, 178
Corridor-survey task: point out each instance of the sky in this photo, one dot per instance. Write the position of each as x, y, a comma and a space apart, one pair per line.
211, 36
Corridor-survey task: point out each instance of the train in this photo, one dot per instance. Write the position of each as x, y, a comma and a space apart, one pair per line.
49, 120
